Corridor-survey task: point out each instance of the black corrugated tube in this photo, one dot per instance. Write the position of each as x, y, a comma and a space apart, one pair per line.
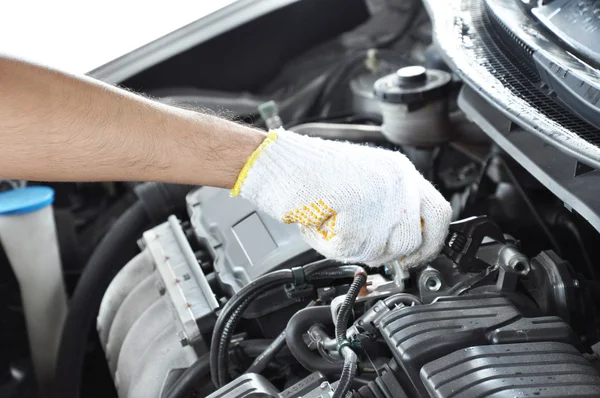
235, 307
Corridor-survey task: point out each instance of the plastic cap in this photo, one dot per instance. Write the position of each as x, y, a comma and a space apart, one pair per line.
412, 74
413, 84
25, 200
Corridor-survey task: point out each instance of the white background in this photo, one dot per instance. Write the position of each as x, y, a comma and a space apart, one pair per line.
78, 36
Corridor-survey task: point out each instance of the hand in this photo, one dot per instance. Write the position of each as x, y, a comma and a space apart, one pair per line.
353, 203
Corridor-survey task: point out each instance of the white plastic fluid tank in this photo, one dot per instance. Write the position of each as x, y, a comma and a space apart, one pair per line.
28, 236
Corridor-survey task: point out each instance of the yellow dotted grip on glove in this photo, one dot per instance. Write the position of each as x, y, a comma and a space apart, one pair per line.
316, 215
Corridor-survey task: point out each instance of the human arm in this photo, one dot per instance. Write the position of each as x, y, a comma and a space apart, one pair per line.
58, 127
352, 203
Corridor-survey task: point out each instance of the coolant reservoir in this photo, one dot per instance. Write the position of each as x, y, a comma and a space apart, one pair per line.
28, 236
414, 106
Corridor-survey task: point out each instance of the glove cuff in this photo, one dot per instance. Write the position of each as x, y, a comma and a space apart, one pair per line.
271, 138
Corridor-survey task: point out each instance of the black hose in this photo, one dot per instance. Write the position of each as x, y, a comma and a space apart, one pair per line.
161, 199
343, 315
229, 316
342, 272
252, 348
348, 373
320, 265
114, 250
565, 221
341, 325
185, 384
235, 307
261, 361
297, 326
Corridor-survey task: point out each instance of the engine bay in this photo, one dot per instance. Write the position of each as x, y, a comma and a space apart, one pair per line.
482, 319
189, 292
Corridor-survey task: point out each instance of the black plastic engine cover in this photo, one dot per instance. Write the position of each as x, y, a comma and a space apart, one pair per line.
512, 370
421, 334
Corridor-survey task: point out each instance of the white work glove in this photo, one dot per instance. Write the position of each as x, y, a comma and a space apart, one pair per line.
353, 203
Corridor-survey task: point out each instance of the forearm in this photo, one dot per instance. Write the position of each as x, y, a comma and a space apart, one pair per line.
56, 127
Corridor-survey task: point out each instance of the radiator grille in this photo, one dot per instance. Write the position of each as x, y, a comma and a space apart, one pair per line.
509, 60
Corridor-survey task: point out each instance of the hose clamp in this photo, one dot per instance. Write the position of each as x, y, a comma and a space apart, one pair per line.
342, 344
299, 289
298, 276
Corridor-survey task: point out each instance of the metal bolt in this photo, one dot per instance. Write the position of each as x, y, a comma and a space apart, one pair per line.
433, 283
575, 283
324, 385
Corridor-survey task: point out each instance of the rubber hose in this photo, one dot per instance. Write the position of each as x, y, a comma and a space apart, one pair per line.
227, 333
114, 250
296, 327
161, 199
232, 311
343, 316
227, 320
225, 340
185, 384
342, 272
252, 348
261, 361
320, 265
348, 373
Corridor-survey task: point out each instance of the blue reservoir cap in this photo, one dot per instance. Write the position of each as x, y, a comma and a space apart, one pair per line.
25, 200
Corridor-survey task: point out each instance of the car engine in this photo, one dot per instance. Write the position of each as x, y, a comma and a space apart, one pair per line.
195, 293
481, 320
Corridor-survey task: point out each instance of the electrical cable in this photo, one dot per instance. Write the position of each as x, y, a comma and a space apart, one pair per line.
229, 316
235, 307
348, 373
341, 325
343, 316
